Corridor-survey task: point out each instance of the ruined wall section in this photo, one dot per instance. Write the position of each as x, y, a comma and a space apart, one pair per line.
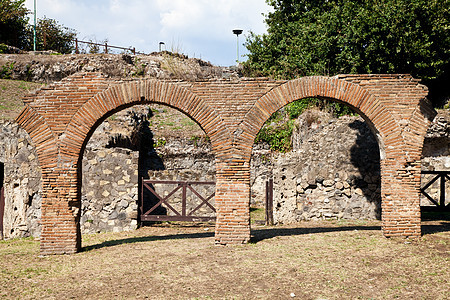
332, 173
22, 182
109, 200
320, 179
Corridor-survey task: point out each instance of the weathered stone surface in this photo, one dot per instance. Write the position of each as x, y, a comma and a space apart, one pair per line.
49, 68
336, 171
22, 182
300, 193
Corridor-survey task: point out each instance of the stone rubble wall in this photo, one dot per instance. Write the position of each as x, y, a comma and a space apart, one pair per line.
333, 172
110, 190
22, 182
320, 179
111, 176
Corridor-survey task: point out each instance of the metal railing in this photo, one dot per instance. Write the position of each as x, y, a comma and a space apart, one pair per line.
105, 45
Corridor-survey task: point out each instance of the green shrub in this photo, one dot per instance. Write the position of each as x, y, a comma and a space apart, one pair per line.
277, 130
6, 71
3, 48
278, 136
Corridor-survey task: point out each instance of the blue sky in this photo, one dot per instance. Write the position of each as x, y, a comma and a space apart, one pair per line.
200, 28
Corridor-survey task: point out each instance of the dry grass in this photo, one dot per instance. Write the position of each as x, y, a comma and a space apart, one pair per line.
170, 123
11, 94
313, 260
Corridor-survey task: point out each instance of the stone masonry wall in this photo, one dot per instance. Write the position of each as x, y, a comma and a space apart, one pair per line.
320, 179
22, 182
436, 154
333, 172
110, 176
110, 190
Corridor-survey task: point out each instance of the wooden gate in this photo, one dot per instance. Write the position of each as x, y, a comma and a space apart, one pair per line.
443, 176
187, 212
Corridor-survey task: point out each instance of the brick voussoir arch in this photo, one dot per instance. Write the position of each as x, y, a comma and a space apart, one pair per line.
125, 94
61, 118
398, 150
371, 109
41, 135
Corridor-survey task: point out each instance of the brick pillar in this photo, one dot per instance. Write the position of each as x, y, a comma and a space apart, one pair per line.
400, 206
60, 212
232, 201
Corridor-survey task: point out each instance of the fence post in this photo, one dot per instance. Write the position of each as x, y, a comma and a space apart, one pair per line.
106, 48
76, 47
442, 196
134, 51
269, 202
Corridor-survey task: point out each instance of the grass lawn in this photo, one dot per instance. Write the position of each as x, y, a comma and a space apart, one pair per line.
311, 260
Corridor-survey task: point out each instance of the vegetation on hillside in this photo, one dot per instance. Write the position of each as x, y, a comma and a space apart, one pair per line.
278, 129
329, 37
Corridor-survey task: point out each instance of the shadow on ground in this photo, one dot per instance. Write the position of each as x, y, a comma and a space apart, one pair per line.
443, 226
262, 234
152, 238
257, 235
435, 220
429, 226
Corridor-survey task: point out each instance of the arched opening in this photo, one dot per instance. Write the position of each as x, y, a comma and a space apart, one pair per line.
138, 143
324, 161
391, 104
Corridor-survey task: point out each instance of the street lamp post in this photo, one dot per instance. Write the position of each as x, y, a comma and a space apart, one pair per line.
34, 28
237, 32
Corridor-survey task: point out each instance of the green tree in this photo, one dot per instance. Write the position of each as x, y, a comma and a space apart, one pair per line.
329, 37
53, 36
13, 23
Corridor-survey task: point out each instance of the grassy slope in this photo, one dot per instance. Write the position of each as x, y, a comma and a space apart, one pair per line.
11, 93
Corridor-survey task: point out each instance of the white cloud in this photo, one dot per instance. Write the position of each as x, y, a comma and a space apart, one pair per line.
200, 27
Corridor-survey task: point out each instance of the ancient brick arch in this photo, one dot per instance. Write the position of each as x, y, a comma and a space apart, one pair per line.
60, 117
392, 112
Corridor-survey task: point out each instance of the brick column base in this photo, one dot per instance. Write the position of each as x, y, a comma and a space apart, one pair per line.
60, 212
400, 206
233, 213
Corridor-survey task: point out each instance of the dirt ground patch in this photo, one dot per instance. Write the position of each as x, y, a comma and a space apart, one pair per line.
312, 260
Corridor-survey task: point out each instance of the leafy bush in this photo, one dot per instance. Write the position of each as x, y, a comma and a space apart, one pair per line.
277, 131
329, 37
3, 48
278, 136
